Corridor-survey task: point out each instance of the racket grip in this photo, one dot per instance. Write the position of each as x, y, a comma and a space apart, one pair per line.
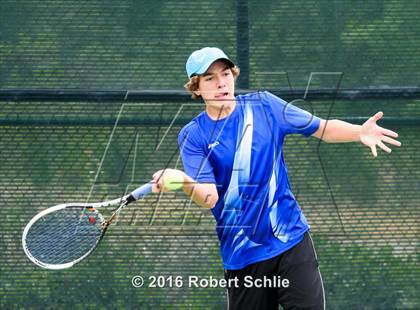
140, 192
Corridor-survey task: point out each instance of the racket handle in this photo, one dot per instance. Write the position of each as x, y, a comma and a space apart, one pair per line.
140, 192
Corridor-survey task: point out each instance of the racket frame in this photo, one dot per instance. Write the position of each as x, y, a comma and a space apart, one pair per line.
120, 202
55, 209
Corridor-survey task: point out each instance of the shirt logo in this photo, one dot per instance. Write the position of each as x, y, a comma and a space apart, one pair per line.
212, 145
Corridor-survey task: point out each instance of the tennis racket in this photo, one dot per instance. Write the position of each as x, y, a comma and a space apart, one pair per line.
61, 236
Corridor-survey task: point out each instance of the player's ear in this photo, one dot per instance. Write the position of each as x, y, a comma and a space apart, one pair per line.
196, 85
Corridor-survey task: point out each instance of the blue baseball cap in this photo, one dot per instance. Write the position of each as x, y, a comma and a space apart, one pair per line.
200, 60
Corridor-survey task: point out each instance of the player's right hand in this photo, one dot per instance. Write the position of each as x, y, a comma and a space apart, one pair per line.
160, 177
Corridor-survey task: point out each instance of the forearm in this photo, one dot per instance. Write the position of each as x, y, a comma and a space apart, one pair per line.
202, 194
337, 131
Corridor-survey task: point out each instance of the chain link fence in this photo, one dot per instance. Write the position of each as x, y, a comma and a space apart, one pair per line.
79, 78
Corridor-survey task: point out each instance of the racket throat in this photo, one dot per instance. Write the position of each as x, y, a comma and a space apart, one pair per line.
108, 222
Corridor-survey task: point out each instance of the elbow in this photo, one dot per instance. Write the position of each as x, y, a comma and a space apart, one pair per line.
211, 200
326, 139
205, 195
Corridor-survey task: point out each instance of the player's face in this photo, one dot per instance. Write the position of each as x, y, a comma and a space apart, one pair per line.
217, 85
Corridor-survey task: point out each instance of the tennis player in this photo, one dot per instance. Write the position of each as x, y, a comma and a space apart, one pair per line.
233, 160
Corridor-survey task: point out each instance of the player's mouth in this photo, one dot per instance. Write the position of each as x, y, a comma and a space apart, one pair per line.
222, 95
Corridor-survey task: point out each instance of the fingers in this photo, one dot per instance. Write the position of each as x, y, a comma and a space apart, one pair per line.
382, 135
391, 141
373, 149
157, 185
158, 175
389, 132
384, 147
377, 116
158, 180
155, 188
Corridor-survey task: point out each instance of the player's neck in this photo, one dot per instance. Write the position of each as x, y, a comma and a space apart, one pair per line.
220, 110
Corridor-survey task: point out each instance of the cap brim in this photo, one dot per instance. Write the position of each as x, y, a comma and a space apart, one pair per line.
205, 67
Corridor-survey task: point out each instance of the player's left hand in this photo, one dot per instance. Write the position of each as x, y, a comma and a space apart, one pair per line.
373, 135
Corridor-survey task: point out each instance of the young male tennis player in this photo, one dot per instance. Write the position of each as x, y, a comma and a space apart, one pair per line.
233, 159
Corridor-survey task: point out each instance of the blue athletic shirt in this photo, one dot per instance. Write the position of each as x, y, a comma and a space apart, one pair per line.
257, 215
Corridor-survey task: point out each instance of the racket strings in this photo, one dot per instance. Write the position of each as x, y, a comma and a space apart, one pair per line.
65, 235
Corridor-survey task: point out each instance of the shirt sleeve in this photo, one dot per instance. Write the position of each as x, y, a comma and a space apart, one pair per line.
293, 120
194, 158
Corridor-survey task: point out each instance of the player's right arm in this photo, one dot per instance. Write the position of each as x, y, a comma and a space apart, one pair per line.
203, 194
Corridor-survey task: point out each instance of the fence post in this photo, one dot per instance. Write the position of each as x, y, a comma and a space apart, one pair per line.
242, 42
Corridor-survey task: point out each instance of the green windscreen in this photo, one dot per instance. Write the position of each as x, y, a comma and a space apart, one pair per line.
144, 44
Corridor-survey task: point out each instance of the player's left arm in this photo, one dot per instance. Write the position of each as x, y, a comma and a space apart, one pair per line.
369, 134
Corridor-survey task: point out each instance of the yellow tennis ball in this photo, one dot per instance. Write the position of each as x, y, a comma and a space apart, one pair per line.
173, 179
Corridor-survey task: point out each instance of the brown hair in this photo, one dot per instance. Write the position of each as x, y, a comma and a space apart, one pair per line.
192, 84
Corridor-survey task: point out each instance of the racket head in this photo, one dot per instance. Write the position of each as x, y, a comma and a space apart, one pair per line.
63, 235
